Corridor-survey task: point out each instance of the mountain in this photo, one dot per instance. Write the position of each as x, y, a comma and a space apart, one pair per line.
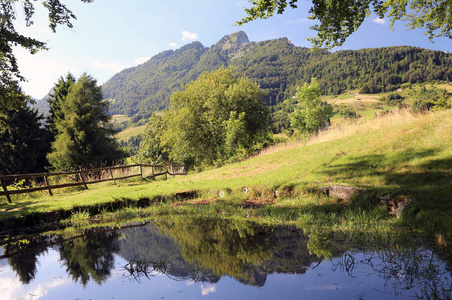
277, 65
42, 106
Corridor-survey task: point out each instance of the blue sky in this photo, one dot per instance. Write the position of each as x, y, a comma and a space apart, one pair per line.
110, 35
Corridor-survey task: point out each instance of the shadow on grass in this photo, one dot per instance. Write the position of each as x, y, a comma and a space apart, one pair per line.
15, 205
429, 183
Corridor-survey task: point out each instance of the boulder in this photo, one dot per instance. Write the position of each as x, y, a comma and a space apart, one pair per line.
343, 192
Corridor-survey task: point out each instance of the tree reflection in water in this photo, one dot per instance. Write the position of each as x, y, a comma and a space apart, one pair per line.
90, 257
205, 250
24, 264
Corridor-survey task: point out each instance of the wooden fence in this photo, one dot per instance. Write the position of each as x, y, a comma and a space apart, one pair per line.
82, 177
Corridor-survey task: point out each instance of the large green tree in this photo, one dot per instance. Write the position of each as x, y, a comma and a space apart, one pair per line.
24, 142
214, 117
338, 19
151, 150
59, 14
85, 134
310, 112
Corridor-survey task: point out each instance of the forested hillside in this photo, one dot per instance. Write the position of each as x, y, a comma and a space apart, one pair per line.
277, 65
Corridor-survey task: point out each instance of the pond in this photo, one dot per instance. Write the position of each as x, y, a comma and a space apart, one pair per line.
219, 259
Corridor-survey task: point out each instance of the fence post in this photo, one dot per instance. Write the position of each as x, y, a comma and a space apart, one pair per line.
83, 179
111, 174
141, 171
46, 183
6, 191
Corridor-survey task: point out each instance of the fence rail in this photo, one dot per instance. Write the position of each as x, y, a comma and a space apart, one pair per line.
156, 170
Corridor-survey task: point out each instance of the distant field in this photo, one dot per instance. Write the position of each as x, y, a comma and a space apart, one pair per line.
126, 134
351, 97
447, 86
120, 118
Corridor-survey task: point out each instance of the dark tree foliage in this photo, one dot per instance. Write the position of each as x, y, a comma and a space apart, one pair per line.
132, 145
338, 19
24, 142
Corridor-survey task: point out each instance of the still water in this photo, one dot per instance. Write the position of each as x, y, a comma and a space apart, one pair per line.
197, 259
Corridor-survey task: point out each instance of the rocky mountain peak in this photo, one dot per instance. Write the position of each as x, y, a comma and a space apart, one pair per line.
231, 44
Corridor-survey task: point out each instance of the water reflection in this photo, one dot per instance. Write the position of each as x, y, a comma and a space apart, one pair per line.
90, 257
206, 251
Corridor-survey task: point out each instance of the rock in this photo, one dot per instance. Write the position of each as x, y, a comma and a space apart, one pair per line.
342, 192
395, 206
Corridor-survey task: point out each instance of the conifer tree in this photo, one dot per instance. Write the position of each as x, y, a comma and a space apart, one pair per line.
85, 135
24, 142
56, 99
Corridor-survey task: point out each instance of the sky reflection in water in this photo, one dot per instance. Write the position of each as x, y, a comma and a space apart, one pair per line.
220, 260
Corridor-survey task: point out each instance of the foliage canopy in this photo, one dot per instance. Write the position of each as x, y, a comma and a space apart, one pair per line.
340, 18
214, 118
310, 113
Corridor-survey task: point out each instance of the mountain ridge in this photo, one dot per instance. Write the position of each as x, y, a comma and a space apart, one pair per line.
277, 65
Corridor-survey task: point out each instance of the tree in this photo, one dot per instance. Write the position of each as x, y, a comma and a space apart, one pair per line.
151, 150
85, 135
24, 142
11, 97
311, 113
199, 117
340, 18
56, 100
59, 14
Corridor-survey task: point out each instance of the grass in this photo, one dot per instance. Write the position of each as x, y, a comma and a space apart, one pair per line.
127, 133
401, 153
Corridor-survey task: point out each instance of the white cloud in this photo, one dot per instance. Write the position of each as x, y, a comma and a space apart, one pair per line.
188, 36
379, 21
205, 290
173, 45
141, 60
304, 20
11, 289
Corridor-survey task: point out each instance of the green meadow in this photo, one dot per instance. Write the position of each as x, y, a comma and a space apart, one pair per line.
401, 153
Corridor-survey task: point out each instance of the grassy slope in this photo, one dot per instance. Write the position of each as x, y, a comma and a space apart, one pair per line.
127, 133
401, 153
